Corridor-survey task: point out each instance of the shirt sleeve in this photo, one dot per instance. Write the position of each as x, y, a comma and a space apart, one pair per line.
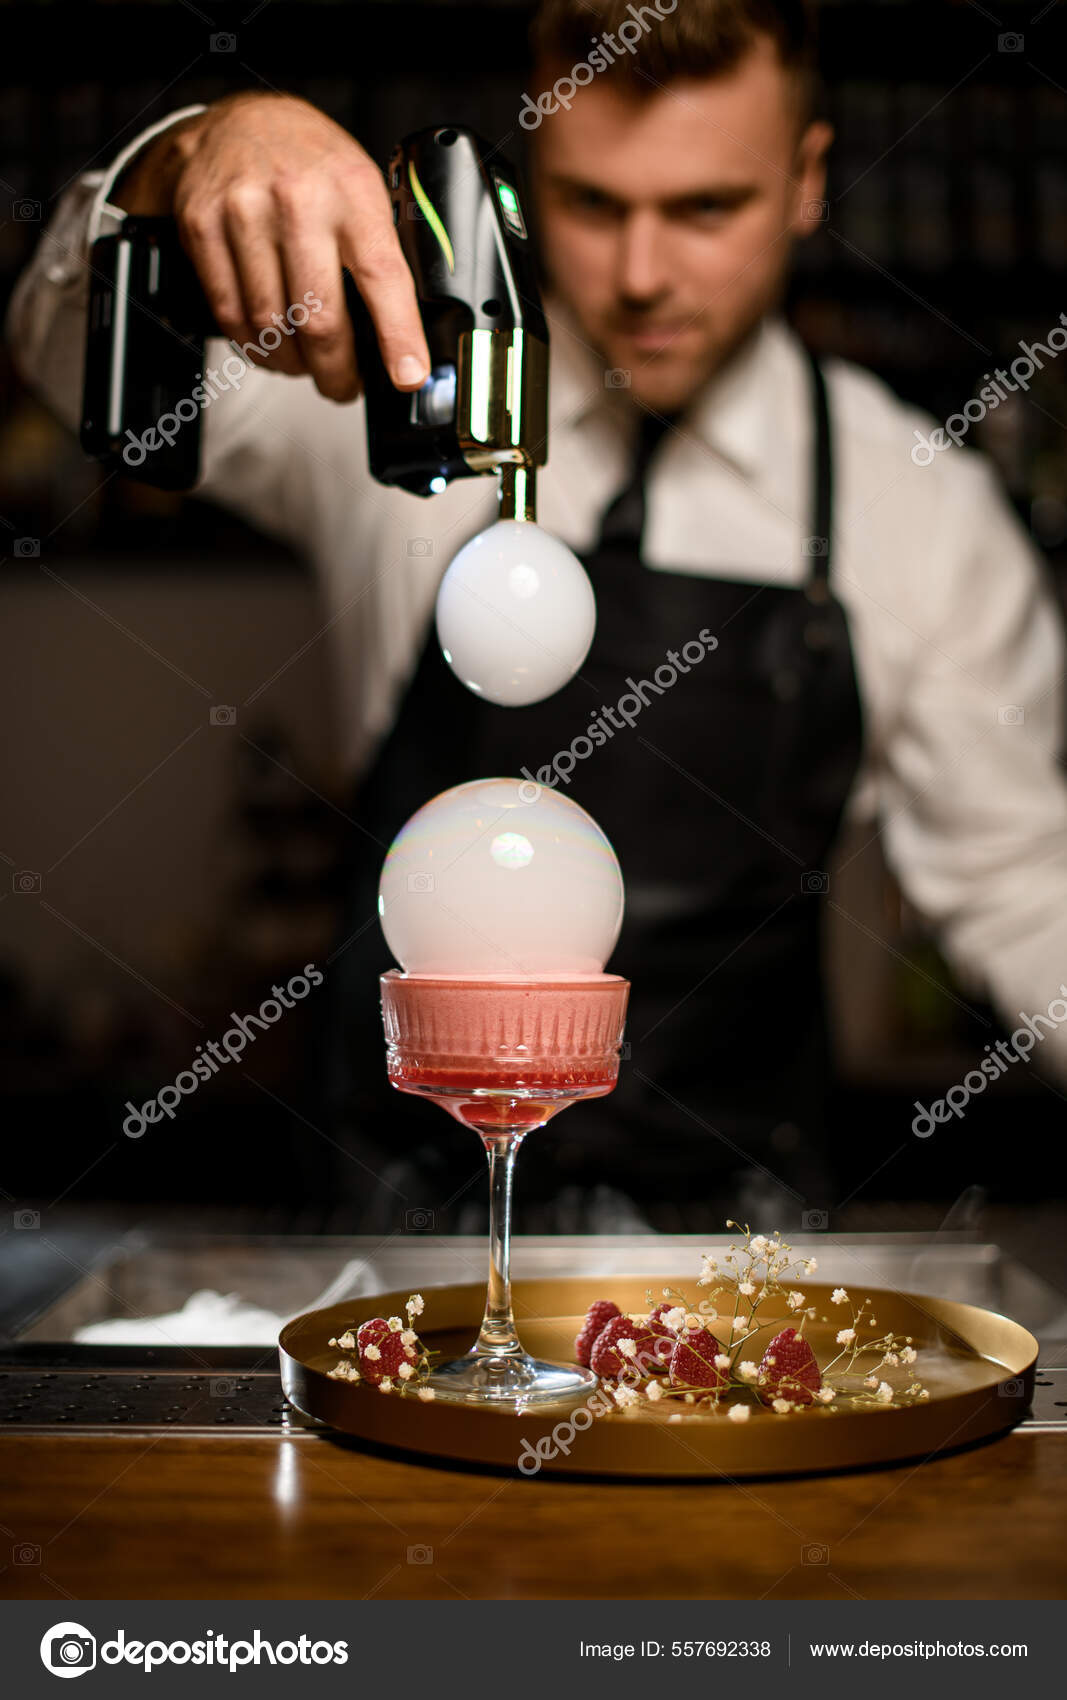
973, 795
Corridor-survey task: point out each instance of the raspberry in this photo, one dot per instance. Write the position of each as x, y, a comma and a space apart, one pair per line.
665, 1340
693, 1361
788, 1370
597, 1317
391, 1350
605, 1359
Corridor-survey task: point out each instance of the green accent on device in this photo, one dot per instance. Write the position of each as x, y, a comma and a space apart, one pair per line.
509, 206
430, 214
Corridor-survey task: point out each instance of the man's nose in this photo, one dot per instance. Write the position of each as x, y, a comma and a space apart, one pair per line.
643, 270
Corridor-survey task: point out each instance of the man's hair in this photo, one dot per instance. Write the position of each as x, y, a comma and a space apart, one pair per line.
698, 38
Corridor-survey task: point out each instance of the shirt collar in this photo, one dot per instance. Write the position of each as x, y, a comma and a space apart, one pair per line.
733, 415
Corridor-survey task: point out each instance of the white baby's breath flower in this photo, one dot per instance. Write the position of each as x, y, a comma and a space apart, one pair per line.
627, 1348
884, 1393
870, 1381
709, 1266
891, 1358
405, 1372
811, 1266
795, 1300
415, 1305
746, 1287
738, 1413
396, 1324
826, 1395
372, 1352
739, 1324
385, 1385
426, 1394
409, 1337
347, 1341
748, 1371
908, 1355
721, 1360
673, 1319
839, 1296
846, 1336
923, 1393
625, 1396
781, 1406
654, 1391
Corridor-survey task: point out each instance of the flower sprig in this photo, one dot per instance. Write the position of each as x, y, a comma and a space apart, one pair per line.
727, 1375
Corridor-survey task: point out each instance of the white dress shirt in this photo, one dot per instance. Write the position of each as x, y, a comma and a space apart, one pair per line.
954, 625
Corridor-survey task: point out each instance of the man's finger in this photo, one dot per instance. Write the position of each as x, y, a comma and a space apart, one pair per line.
318, 314
372, 252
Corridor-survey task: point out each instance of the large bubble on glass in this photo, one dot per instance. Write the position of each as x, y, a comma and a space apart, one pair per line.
501, 878
515, 614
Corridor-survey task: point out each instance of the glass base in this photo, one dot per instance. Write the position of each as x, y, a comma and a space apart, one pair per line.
516, 1380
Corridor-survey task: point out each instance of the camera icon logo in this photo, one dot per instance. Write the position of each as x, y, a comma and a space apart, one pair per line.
223, 42
420, 545
1010, 43
26, 1553
815, 1554
1013, 1389
814, 883
815, 1221
419, 1221
27, 548
616, 378
26, 883
420, 882
529, 791
28, 212
816, 546
27, 1218
420, 1555
222, 1387
816, 211
223, 714
68, 1649
1010, 714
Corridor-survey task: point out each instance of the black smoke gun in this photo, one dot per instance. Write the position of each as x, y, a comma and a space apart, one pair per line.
484, 408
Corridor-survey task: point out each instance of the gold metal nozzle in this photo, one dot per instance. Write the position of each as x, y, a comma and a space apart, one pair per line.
518, 491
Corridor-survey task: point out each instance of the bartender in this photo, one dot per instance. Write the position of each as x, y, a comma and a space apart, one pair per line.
886, 646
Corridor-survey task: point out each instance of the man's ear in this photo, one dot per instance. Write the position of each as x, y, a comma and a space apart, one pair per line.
812, 208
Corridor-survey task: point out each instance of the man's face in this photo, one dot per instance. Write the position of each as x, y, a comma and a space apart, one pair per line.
667, 219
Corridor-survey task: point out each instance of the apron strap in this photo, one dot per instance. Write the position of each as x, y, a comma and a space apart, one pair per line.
822, 519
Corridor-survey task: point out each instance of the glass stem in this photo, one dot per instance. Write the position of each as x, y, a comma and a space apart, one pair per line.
498, 1338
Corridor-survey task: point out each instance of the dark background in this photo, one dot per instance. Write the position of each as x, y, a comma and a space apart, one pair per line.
945, 244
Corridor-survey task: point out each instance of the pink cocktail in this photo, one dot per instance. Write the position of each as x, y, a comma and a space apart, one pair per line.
503, 1057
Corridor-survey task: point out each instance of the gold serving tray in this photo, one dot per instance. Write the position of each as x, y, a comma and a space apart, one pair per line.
978, 1366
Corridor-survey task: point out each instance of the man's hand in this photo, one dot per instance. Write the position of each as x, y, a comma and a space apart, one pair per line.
271, 199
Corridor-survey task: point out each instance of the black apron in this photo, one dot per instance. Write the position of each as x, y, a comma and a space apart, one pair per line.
722, 803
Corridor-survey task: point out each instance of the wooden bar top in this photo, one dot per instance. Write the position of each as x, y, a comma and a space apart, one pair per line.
267, 1517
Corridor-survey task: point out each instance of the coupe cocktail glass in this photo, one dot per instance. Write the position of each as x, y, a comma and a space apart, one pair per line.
503, 1057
